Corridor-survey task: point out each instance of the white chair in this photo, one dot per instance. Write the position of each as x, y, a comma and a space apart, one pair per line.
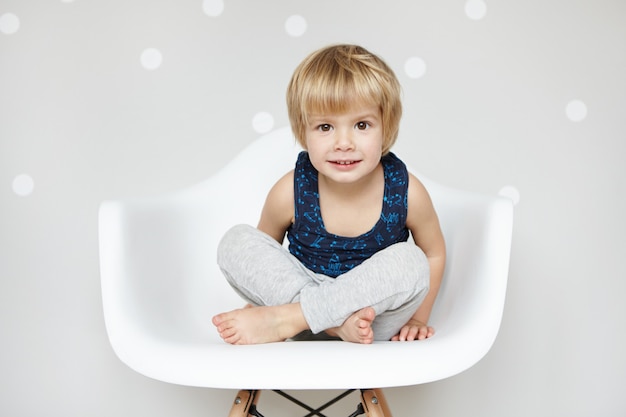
161, 286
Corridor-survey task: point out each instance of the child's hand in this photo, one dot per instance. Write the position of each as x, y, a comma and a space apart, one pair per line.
414, 330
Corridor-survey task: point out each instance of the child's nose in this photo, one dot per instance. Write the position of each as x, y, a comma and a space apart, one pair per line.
343, 140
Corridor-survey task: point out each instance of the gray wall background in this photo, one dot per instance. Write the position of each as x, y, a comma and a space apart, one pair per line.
84, 120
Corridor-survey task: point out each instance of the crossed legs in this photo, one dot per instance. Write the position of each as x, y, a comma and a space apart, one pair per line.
369, 303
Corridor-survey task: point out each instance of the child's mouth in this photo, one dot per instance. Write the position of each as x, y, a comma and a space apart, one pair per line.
344, 162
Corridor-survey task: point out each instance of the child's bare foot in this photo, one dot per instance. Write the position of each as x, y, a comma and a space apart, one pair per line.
253, 325
357, 328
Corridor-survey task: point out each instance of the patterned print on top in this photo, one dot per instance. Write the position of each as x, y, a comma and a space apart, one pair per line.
333, 255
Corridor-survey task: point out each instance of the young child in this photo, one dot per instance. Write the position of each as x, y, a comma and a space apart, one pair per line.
348, 209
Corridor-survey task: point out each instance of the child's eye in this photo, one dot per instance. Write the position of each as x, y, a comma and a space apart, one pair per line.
325, 127
362, 125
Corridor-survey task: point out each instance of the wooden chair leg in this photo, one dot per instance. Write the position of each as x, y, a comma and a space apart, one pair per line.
244, 400
374, 403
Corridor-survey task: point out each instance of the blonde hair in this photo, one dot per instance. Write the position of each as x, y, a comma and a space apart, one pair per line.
334, 78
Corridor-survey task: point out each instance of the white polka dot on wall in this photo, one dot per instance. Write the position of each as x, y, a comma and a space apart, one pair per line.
262, 122
415, 67
511, 192
475, 9
576, 110
23, 185
151, 58
9, 23
213, 8
295, 25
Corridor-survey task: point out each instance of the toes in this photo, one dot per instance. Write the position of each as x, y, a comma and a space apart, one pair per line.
368, 313
226, 333
363, 324
233, 339
221, 318
224, 326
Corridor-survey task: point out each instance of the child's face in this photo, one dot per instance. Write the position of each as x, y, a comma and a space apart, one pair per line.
346, 147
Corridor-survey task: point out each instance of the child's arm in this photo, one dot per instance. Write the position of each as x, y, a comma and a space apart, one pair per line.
278, 211
423, 223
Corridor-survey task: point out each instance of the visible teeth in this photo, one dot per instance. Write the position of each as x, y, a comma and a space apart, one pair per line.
344, 162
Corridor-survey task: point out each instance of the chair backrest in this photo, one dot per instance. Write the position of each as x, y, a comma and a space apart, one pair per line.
160, 277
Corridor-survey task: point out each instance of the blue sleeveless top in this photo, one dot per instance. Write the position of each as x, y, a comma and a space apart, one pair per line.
333, 255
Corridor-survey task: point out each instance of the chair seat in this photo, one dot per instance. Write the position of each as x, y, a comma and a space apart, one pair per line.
300, 365
161, 286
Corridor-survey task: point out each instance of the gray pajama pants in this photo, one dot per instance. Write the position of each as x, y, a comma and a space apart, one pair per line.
394, 281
